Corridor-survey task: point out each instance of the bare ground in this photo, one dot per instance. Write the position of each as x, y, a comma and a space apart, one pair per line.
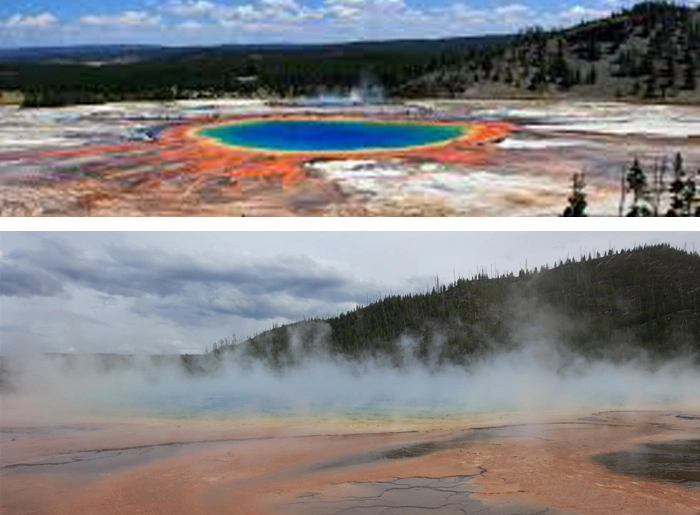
487, 466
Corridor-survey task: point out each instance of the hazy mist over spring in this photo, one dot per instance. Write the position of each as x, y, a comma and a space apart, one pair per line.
531, 372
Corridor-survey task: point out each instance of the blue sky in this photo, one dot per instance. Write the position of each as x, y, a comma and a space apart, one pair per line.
190, 22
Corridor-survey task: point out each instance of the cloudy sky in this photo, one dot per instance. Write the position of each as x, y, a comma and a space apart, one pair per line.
172, 292
193, 22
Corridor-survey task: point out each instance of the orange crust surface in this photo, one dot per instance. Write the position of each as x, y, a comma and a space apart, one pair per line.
156, 176
182, 148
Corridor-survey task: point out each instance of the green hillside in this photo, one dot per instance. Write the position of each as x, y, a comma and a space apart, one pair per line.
609, 306
651, 51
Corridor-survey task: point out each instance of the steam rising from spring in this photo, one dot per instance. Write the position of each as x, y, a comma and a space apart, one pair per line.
529, 380
367, 92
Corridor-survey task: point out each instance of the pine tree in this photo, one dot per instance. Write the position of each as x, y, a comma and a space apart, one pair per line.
637, 184
682, 190
651, 85
559, 69
668, 75
592, 76
689, 82
577, 200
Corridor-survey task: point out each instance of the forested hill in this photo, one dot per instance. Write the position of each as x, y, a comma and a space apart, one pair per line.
602, 306
650, 51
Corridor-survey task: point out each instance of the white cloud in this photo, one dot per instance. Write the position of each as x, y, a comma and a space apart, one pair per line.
343, 11
192, 8
514, 14
579, 12
501, 19
467, 14
189, 25
44, 19
391, 4
350, 4
281, 4
373, 11
250, 16
124, 19
263, 15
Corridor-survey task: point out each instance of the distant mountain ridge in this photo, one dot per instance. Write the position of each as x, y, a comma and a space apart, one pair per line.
76, 50
80, 52
73, 52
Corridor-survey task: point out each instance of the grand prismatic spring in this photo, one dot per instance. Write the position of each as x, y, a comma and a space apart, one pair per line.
296, 421
210, 165
335, 135
482, 158
324, 441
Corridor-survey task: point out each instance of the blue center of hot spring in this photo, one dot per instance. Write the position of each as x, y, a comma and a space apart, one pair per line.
331, 135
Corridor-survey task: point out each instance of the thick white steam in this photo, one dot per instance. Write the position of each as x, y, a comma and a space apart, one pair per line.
527, 381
